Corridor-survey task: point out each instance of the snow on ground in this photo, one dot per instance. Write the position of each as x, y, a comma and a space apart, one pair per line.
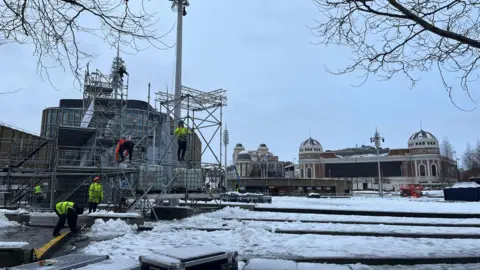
256, 239
4, 222
387, 204
258, 242
205, 221
16, 211
111, 214
436, 193
235, 212
466, 185
13, 244
43, 214
111, 228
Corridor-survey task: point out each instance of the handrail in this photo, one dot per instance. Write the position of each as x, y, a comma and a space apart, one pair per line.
19, 129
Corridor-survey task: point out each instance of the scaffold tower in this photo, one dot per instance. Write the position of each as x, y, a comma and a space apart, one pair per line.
202, 110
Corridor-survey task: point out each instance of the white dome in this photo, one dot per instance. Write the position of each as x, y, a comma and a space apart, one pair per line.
422, 139
244, 155
310, 145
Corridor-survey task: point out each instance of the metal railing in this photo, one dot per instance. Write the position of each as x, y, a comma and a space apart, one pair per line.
25, 153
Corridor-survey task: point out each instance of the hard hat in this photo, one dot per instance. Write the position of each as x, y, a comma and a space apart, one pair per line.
96, 178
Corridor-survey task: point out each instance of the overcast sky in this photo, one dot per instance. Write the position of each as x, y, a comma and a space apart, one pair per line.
278, 90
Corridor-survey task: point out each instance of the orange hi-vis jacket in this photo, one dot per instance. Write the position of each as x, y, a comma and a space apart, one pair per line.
117, 155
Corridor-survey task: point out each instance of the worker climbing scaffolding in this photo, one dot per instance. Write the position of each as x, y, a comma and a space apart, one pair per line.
182, 133
124, 149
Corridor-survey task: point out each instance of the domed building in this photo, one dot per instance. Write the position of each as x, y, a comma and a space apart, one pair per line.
257, 163
260, 170
419, 163
310, 152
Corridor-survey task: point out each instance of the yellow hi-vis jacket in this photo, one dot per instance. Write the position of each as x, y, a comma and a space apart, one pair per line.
62, 207
95, 193
38, 190
182, 133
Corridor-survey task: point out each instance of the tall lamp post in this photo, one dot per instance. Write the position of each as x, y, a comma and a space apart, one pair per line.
180, 5
226, 141
377, 140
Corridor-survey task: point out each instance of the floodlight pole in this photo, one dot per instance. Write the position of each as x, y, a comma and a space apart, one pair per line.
226, 141
378, 140
181, 4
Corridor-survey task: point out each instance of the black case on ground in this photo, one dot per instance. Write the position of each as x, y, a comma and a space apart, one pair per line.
191, 258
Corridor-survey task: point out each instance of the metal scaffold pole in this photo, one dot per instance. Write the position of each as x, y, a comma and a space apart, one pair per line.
181, 6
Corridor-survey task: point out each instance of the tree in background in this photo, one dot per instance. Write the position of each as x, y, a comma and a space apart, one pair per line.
57, 29
389, 37
446, 149
471, 157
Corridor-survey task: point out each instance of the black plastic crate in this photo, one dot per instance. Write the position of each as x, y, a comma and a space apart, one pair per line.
191, 258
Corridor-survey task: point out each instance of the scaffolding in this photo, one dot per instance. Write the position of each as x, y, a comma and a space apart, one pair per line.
78, 146
187, 180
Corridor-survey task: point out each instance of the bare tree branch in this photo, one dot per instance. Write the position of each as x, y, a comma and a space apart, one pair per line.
11, 92
56, 28
390, 38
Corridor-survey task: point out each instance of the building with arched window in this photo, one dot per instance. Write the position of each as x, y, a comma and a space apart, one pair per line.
261, 171
259, 163
419, 163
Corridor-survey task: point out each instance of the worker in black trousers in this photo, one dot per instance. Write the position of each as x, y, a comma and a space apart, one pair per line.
67, 211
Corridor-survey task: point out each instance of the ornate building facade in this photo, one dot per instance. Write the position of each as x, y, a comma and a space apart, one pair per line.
259, 163
419, 163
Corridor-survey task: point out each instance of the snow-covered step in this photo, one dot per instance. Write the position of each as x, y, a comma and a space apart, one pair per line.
334, 232
129, 218
475, 225
366, 212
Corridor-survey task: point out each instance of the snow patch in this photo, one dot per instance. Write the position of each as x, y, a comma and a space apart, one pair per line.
251, 242
465, 185
258, 239
110, 228
15, 212
386, 204
4, 222
6, 245
243, 194
111, 214
235, 212
44, 214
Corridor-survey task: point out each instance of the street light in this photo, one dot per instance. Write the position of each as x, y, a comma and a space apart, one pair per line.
226, 141
378, 140
180, 5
